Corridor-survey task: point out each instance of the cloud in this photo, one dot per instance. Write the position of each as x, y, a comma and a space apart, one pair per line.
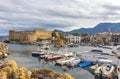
56, 14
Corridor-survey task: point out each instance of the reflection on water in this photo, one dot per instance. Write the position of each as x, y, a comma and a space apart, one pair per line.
22, 55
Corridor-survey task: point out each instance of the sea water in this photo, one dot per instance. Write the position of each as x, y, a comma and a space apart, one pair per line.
22, 55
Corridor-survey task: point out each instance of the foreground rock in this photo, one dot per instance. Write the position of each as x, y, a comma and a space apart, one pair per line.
10, 70
48, 74
3, 50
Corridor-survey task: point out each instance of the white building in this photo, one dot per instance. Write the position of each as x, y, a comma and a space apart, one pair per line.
73, 39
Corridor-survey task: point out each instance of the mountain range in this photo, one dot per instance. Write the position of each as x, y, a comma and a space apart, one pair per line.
2, 37
101, 27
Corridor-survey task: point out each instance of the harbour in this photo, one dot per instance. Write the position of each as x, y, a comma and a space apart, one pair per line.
23, 52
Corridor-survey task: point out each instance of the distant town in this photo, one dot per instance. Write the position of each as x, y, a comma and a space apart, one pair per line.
61, 39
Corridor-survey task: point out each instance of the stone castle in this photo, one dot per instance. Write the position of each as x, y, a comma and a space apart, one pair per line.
29, 36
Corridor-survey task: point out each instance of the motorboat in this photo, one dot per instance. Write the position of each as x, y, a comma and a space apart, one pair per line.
64, 61
84, 64
41, 51
73, 63
116, 51
37, 54
65, 53
52, 58
105, 70
118, 71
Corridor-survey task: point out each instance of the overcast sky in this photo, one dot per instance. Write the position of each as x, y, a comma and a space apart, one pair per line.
56, 14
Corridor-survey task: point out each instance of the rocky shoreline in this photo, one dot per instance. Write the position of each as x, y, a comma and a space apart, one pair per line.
10, 70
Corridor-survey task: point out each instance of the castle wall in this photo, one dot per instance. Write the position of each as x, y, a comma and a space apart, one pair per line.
41, 34
29, 36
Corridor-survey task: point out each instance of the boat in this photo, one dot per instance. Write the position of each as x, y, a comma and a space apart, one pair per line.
84, 64
118, 71
52, 58
116, 51
64, 61
37, 54
43, 56
65, 53
42, 51
107, 69
98, 70
94, 67
73, 63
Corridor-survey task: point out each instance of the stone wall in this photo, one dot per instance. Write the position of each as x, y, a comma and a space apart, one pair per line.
29, 36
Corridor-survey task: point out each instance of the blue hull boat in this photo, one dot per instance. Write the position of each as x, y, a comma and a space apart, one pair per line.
37, 54
84, 64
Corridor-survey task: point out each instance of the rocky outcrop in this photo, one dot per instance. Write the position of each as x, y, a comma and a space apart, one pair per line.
10, 70
3, 50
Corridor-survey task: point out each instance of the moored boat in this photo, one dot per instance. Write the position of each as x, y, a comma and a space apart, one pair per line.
118, 71
84, 64
73, 63
37, 54
52, 58
64, 61
107, 69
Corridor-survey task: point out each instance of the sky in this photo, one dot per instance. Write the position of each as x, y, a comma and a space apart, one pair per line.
64, 15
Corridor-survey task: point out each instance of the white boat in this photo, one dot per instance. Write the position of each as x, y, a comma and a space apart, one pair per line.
98, 70
65, 53
41, 51
64, 61
118, 71
105, 70
74, 62
116, 51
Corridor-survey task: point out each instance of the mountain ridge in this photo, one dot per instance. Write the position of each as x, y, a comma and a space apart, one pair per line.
101, 27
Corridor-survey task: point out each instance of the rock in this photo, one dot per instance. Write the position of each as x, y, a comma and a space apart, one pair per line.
11, 63
10, 70
21, 73
47, 73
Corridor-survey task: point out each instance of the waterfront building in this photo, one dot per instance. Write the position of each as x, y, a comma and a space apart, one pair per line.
73, 39
115, 38
29, 36
86, 39
103, 38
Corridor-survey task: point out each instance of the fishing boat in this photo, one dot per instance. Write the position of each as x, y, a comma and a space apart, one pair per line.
65, 53
73, 63
118, 71
37, 54
84, 64
98, 70
41, 51
64, 61
52, 58
107, 69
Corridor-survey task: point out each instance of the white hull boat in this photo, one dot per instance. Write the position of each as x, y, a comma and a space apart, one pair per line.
118, 71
